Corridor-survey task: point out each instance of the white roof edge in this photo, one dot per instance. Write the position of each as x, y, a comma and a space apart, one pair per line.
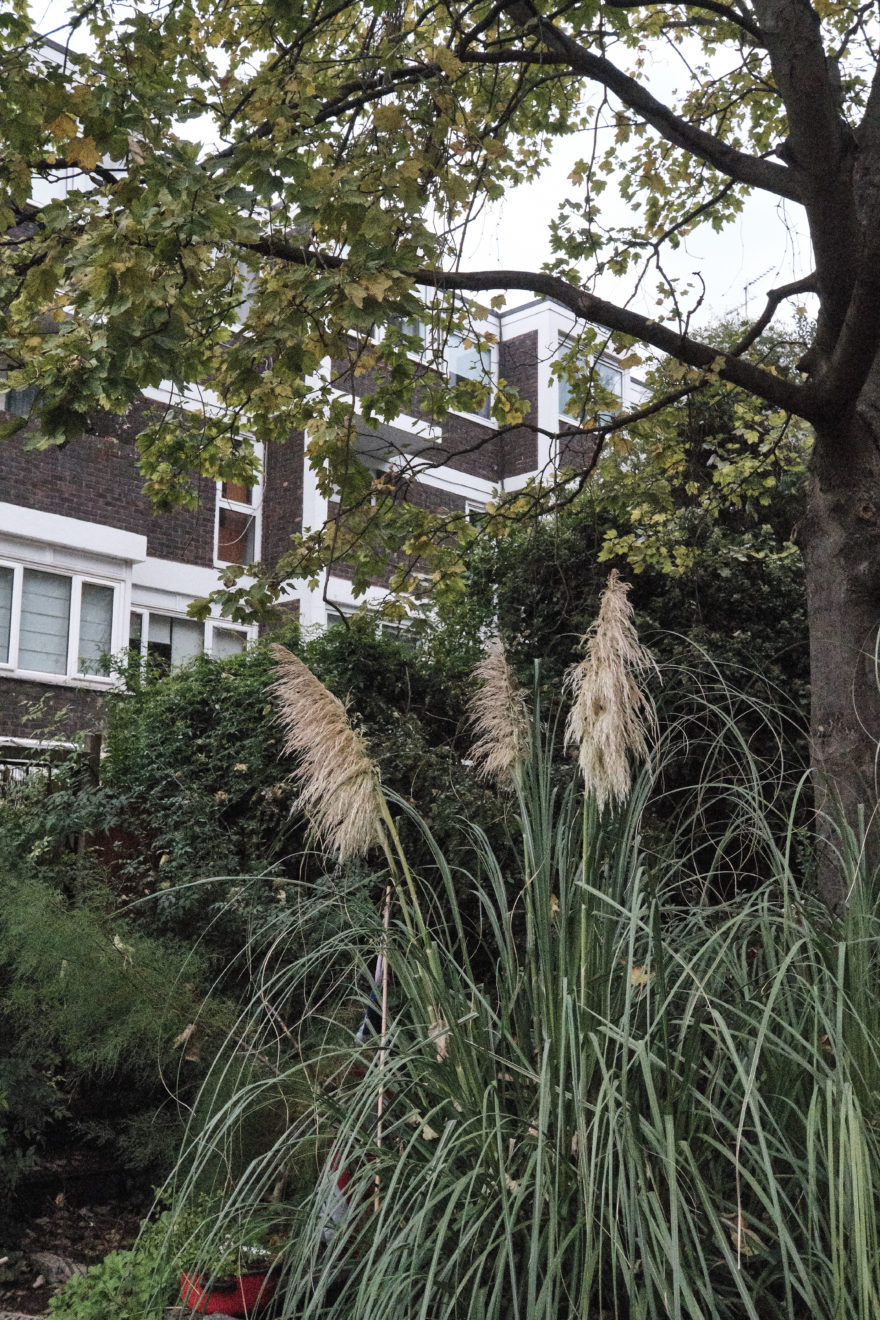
56, 529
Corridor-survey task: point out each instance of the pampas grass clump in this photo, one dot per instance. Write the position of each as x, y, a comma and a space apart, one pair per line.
499, 717
340, 794
610, 714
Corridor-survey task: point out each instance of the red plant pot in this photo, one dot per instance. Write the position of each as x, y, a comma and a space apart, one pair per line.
243, 1294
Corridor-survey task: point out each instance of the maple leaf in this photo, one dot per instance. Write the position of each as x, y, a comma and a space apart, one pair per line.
84, 152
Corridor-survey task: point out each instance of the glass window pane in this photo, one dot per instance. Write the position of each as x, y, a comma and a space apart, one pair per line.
610, 378
564, 397
235, 537
159, 640
20, 403
6, 579
95, 627
160, 630
227, 641
45, 619
607, 378
187, 640
234, 490
469, 364
174, 641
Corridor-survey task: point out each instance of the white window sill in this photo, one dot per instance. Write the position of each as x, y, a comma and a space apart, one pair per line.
97, 683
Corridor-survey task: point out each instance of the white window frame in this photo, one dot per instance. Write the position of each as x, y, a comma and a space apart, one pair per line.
72, 673
208, 628
254, 510
493, 354
602, 361
145, 611
225, 625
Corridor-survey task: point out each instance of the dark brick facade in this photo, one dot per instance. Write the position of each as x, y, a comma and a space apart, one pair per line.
467, 444
576, 450
518, 365
35, 710
282, 497
96, 479
418, 493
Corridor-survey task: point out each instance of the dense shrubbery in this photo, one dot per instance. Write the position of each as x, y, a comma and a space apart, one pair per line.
108, 956
105, 954
642, 1106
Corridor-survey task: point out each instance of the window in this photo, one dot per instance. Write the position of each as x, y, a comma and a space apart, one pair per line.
169, 640
236, 527
468, 363
607, 377
18, 402
95, 626
226, 641
475, 512
55, 623
7, 578
165, 640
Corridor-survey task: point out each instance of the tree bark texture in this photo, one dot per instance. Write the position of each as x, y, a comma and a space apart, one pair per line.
840, 542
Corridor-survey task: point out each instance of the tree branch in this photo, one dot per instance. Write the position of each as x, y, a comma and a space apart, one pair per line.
775, 390
774, 298
818, 150
561, 48
713, 7
781, 393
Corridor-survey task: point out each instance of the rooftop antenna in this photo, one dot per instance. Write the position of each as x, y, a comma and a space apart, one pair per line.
746, 288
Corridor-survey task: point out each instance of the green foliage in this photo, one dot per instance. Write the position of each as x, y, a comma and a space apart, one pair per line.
715, 481
194, 793
194, 848
168, 264
90, 1012
129, 1285
638, 1108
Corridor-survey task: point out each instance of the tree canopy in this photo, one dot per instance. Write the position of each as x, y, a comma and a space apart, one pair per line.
251, 190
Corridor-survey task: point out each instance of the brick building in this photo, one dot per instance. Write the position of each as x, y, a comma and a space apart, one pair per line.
87, 569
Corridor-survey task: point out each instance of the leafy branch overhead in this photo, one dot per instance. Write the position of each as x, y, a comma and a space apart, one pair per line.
343, 151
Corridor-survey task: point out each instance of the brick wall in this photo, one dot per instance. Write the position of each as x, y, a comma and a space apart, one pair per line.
423, 496
575, 449
96, 479
63, 711
468, 445
518, 365
282, 497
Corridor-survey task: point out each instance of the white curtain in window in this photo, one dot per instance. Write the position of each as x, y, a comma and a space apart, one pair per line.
227, 641
6, 579
187, 640
95, 626
45, 620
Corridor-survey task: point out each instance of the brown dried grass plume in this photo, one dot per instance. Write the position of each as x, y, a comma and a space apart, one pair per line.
611, 716
499, 717
340, 791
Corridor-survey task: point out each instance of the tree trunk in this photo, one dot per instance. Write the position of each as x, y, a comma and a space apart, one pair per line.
840, 541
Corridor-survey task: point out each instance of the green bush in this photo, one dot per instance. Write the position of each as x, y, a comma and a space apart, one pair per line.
90, 1009
126, 1285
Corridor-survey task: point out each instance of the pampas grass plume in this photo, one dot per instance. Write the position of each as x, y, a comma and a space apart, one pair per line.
340, 784
610, 715
499, 717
